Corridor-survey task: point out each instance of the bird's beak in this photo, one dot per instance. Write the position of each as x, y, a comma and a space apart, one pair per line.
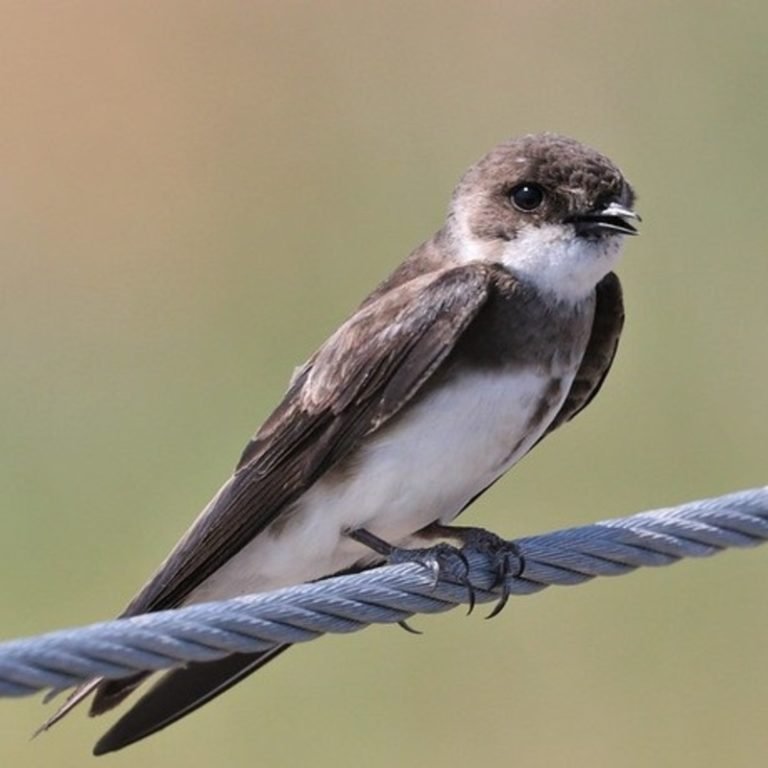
612, 218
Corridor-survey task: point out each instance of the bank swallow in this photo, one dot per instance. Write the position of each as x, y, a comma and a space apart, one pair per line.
488, 337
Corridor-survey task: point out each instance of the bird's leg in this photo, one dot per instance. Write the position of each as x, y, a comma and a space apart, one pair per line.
507, 559
438, 559
370, 540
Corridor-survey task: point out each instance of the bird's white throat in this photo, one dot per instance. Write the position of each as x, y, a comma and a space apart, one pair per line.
560, 262
551, 256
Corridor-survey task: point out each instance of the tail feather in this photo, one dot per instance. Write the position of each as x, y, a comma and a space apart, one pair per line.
77, 696
180, 692
109, 693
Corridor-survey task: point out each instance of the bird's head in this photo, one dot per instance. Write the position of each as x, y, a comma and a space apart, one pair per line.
550, 209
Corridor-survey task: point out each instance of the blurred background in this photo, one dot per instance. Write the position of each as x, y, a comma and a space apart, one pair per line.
194, 194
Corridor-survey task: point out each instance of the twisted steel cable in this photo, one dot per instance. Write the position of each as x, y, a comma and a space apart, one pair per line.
388, 594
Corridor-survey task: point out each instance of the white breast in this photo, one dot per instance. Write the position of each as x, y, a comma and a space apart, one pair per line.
447, 448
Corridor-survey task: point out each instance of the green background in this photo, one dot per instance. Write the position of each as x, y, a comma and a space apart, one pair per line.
194, 194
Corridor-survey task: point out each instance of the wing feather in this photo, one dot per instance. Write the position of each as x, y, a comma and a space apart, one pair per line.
601, 350
358, 380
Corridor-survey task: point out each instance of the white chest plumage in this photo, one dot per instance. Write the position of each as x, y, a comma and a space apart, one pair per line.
447, 448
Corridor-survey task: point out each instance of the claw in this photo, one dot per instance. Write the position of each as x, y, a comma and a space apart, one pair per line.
442, 558
503, 573
471, 598
520, 558
408, 628
464, 580
500, 605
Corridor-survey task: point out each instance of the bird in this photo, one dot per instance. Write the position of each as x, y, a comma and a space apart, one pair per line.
488, 337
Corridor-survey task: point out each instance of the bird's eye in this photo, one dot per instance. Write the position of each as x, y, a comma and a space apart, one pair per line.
526, 196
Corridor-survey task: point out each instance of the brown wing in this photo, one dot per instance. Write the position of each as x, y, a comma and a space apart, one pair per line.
601, 349
360, 378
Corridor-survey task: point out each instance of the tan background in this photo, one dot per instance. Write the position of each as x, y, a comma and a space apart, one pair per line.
193, 194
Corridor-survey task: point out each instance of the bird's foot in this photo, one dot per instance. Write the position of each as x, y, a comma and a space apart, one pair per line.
507, 560
442, 560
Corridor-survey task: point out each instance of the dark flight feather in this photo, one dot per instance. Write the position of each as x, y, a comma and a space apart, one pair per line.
601, 350
361, 377
378, 360
180, 692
